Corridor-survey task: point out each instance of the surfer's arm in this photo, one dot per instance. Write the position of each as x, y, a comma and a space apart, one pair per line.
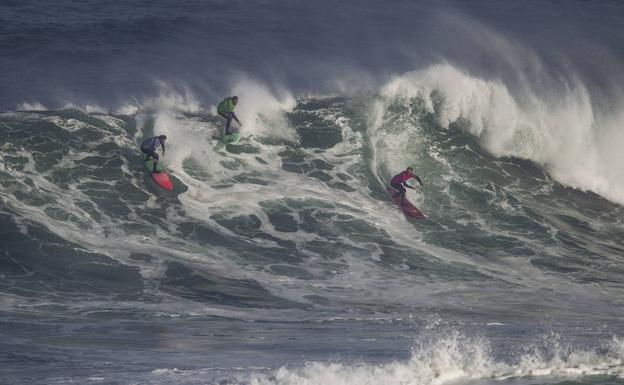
418, 179
163, 147
235, 117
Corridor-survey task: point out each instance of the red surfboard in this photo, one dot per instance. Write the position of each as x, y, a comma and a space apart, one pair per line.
161, 178
407, 207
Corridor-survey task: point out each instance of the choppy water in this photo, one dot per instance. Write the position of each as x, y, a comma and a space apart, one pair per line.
281, 260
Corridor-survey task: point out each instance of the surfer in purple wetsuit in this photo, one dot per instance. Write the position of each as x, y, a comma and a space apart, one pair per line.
149, 146
398, 182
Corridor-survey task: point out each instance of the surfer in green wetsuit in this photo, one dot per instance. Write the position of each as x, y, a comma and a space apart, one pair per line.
226, 109
149, 146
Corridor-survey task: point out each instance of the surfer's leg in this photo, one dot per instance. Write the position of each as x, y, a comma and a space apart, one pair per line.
154, 156
227, 123
400, 189
146, 152
228, 120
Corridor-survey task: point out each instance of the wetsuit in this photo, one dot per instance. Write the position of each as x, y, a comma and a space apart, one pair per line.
226, 109
399, 183
149, 146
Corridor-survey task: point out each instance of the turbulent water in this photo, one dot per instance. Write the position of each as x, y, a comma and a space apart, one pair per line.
282, 260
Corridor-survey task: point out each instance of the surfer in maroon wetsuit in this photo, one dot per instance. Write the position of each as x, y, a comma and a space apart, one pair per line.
150, 145
398, 182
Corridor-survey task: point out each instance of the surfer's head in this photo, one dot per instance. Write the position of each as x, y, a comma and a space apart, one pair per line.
162, 138
410, 171
235, 99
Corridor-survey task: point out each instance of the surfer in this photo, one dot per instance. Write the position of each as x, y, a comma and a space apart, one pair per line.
149, 146
226, 109
399, 182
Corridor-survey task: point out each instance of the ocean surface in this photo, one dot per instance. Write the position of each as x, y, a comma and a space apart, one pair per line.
281, 260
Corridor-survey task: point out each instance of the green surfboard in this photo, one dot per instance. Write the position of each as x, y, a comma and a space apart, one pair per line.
231, 138
149, 164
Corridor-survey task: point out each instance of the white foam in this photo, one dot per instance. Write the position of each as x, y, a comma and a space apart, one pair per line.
31, 106
92, 108
448, 360
561, 131
261, 110
169, 98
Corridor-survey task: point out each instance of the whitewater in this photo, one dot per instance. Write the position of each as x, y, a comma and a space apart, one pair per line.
281, 259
